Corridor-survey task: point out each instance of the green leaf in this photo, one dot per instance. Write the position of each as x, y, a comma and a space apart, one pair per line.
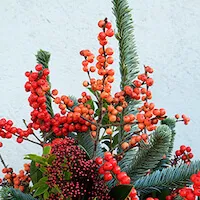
148, 156
46, 150
35, 173
56, 190
46, 195
172, 177
67, 175
36, 158
39, 183
121, 192
91, 103
51, 158
43, 169
41, 190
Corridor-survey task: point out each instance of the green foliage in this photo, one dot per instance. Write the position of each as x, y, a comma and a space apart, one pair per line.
128, 55
148, 156
35, 173
86, 141
171, 123
172, 177
7, 193
46, 150
43, 58
165, 162
121, 192
37, 159
127, 159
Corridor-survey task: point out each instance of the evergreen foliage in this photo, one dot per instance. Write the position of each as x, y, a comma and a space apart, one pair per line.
172, 177
148, 156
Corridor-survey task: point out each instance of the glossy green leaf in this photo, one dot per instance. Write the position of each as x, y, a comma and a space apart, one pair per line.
39, 183
121, 192
35, 173
36, 158
46, 195
46, 150
41, 190
51, 158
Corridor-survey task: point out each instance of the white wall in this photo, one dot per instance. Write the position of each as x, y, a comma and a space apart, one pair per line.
167, 37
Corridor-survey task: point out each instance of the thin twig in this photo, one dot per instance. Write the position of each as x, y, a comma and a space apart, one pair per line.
71, 110
29, 140
2, 161
33, 132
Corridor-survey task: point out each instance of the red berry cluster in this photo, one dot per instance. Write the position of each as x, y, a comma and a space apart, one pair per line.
173, 194
184, 154
185, 119
148, 115
109, 169
83, 179
38, 85
191, 193
20, 181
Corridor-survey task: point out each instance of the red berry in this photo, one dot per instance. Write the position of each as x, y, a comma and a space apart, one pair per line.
149, 81
197, 192
182, 148
19, 139
113, 162
101, 23
178, 153
121, 175
125, 180
116, 170
102, 35
190, 155
99, 160
101, 170
107, 176
183, 192
38, 67
107, 166
197, 181
133, 193
110, 32
188, 149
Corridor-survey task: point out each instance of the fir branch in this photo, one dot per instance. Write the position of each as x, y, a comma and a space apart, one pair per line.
127, 53
171, 123
173, 177
165, 162
148, 156
43, 58
128, 56
85, 140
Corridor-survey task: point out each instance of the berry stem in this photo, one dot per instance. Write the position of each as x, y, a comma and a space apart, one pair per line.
24, 121
30, 140
2, 161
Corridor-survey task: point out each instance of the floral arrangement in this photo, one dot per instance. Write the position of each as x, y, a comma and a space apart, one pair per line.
103, 145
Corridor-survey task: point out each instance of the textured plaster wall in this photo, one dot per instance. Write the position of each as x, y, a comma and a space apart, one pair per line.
167, 38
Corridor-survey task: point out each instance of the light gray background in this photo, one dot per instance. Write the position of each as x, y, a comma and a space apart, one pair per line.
167, 38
